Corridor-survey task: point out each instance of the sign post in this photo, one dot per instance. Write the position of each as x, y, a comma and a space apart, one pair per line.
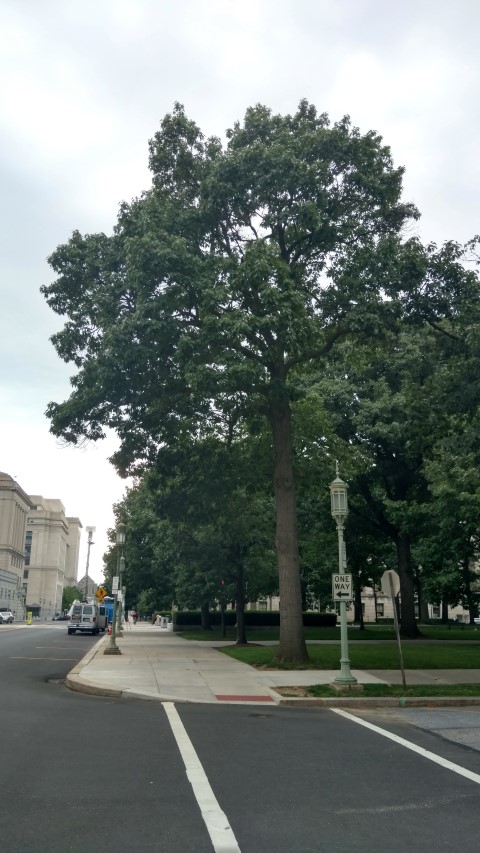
112, 648
390, 584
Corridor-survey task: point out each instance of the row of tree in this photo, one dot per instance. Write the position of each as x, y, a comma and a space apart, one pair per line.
257, 313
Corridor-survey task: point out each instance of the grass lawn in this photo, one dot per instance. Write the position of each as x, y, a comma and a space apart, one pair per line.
399, 690
369, 656
372, 632
256, 635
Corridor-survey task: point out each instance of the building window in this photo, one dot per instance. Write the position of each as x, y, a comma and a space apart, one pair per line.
25, 573
28, 547
436, 611
380, 609
262, 604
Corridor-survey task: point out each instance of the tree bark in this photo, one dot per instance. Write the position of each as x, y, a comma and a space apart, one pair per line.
471, 604
358, 610
444, 611
205, 616
240, 604
408, 624
292, 647
422, 603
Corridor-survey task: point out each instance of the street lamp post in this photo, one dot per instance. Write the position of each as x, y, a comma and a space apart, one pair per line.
112, 648
120, 539
339, 510
90, 542
121, 604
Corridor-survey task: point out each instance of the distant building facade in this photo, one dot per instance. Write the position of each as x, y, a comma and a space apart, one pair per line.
52, 543
39, 551
14, 507
375, 605
87, 586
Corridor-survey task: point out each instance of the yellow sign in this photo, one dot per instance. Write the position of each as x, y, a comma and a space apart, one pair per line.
101, 593
29, 617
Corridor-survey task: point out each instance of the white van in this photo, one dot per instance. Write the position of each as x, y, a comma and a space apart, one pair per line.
86, 619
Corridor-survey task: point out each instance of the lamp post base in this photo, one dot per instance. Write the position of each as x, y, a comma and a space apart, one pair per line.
345, 676
112, 651
346, 688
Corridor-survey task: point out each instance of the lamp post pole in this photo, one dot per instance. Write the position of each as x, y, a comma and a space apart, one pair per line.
112, 648
90, 542
339, 509
121, 591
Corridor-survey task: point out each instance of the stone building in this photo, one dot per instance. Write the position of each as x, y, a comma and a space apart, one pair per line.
14, 507
52, 543
39, 550
87, 586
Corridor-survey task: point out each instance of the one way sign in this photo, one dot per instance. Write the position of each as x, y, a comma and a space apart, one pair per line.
342, 587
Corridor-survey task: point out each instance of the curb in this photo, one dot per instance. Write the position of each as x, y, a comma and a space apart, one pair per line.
381, 702
74, 680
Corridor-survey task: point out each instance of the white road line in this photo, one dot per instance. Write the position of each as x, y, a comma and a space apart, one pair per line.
216, 821
449, 765
22, 657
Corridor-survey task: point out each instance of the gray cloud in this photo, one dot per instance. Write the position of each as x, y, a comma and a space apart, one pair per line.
83, 87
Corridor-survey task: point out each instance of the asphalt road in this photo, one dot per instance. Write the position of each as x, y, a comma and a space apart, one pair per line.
84, 773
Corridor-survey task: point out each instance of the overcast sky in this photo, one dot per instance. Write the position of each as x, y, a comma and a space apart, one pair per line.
84, 85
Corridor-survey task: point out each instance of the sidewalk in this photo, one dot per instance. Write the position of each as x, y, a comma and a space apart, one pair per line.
157, 664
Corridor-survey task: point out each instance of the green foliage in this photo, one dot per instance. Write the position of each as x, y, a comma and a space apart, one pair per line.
400, 690
238, 274
147, 602
69, 595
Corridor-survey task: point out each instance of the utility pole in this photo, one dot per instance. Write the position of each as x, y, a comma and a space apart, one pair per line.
90, 542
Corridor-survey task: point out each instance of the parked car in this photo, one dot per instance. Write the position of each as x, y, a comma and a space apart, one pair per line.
6, 616
59, 617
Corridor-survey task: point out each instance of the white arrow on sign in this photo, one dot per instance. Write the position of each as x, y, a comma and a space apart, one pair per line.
342, 587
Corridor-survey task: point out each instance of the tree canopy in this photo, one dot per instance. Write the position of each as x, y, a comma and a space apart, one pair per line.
244, 263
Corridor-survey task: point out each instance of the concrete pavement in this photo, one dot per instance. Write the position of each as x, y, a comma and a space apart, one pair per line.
157, 664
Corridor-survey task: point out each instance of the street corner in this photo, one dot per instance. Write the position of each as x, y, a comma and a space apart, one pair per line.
78, 684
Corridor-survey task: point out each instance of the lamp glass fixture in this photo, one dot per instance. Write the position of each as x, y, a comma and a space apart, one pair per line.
339, 498
120, 534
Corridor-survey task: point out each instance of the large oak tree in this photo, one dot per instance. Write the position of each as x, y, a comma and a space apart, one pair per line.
243, 262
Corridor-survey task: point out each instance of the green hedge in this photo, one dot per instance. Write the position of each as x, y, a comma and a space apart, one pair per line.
253, 618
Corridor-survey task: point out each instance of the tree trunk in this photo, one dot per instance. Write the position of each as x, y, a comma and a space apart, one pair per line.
422, 602
240, 604
205, 615
444, 611
292, 647
358, 610
375, 601
222, 619
408, 624
471, 605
